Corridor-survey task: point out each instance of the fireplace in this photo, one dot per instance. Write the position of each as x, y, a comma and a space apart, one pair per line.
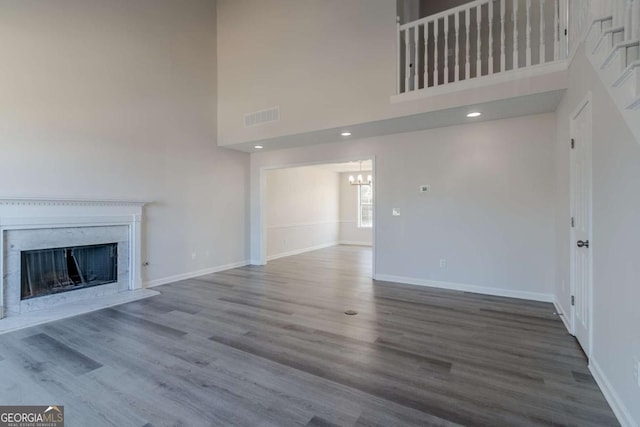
55, 270
49, 247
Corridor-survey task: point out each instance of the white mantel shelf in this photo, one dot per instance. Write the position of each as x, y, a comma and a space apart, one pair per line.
63, 201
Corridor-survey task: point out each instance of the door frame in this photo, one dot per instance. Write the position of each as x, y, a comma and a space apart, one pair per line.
261, 220
588, 100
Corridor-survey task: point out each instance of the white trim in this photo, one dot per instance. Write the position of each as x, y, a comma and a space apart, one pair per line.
510, 293
562, 315
301, 251
354, 243
619, 409
303, 224
192, 274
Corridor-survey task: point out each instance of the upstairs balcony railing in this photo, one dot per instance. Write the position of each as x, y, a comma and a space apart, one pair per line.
478, 39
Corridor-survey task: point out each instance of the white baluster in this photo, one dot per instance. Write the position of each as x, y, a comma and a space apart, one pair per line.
478, 58
435, 52
528, 33
503, 55
446, 50
398, 66
490, 11
467, 65
543, 53
635, 19
628, 22
515, 35
556, 23
407, 60
456, 50
425, 75
620, 6
416, 58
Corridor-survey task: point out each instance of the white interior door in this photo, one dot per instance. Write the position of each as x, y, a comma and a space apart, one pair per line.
581, 225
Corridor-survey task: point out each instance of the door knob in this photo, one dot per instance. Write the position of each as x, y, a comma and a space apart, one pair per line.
582, 244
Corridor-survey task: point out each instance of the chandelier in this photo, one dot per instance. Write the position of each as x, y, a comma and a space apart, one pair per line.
359, 180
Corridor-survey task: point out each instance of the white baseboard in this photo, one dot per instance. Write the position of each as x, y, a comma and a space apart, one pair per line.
190, 275
618, 407
354, 243
533, 296
301, 251
562, 314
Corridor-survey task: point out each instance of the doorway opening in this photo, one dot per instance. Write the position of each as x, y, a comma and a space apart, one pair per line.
327, 207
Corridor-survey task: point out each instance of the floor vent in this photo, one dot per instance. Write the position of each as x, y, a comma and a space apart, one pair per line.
261, 117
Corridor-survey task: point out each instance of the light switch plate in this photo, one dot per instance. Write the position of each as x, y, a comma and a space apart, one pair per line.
396, 212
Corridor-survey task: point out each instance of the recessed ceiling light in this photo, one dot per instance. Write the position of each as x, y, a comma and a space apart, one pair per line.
258, 147
474, 114
346, 134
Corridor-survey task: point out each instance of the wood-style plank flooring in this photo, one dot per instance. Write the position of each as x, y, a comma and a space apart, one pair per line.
271, 346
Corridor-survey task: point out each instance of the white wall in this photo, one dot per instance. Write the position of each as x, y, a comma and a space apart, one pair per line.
116, 99
490, 213
325, 63
616, 263
349, 232
302, 207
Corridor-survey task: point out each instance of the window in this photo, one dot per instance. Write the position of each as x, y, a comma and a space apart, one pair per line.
365, 206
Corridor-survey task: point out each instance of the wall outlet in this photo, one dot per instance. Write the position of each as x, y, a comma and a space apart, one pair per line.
395, 212
425, 188
443, 263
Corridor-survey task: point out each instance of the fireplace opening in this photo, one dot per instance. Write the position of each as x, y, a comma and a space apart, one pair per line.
51, 271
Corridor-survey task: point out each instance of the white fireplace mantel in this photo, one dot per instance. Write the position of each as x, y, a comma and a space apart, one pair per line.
22, 213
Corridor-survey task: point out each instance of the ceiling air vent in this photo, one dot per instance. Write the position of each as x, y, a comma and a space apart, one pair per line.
261, 117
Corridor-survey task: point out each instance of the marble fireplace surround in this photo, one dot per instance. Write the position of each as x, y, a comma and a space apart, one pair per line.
21, 219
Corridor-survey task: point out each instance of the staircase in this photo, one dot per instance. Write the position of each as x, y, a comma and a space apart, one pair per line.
612, 44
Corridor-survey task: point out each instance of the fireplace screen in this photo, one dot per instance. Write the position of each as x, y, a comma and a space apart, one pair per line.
51, 271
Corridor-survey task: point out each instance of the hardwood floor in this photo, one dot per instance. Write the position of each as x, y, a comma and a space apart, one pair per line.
271, 346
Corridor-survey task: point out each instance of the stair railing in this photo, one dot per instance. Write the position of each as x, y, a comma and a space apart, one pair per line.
477, 39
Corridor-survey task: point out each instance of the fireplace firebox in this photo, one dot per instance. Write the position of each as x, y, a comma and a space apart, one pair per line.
56, 270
